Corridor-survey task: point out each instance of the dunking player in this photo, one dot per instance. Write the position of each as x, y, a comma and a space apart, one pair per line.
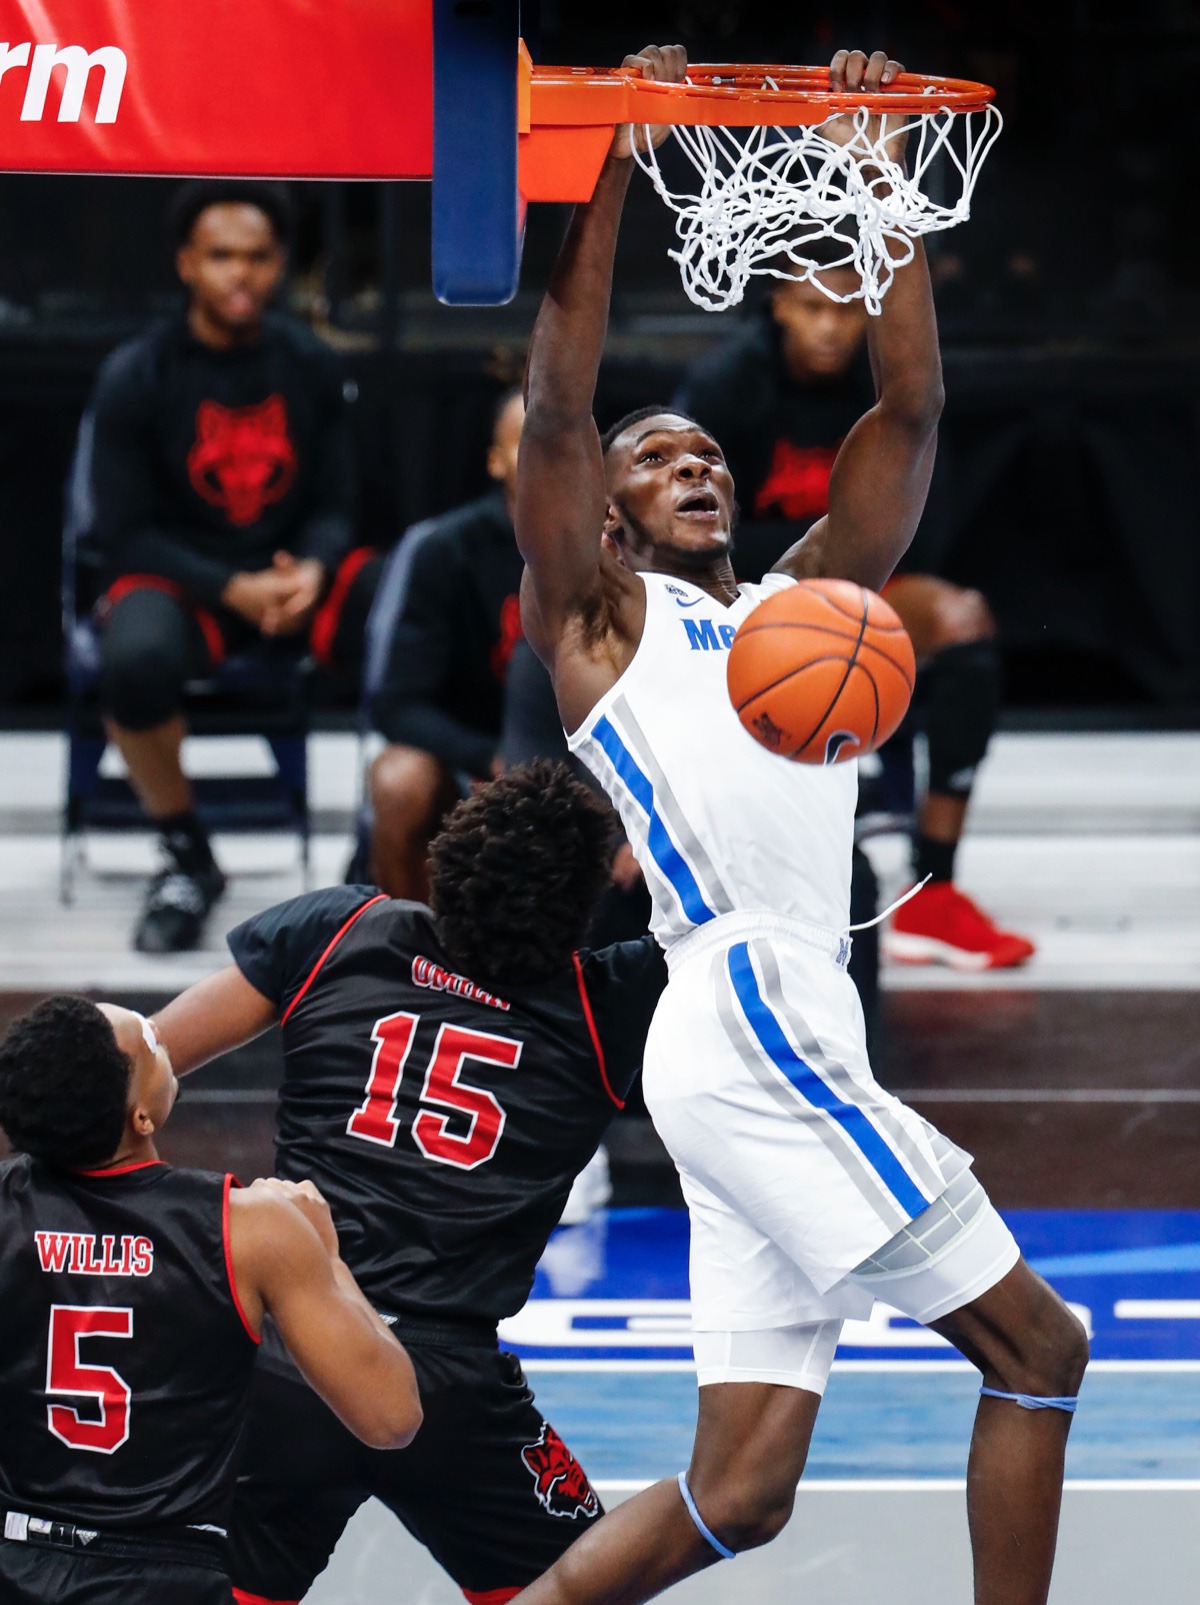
447, 1073
133, 1297
811, 1190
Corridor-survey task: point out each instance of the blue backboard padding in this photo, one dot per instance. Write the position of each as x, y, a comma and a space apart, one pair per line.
476, 234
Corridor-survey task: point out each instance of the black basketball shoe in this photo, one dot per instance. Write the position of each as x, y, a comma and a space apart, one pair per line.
178, 902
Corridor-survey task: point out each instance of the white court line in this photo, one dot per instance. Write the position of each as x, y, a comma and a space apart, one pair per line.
927, 1485
1050, 1094
893, 1367
1157, 1309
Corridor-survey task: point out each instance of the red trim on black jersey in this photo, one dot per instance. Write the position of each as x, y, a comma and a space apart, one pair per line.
595, 1035
312, 974
242, 1598
121, 1170
230, 1182
329, 615
489, 1596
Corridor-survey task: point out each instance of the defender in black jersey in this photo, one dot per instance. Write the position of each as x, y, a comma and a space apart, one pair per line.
133, 1297
447, 1073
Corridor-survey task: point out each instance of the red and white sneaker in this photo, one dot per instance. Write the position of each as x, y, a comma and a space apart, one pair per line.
941, 925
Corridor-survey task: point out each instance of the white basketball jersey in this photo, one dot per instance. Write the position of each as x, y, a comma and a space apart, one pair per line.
718, 824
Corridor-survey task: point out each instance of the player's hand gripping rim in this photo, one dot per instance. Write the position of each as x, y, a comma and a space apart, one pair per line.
853, 71
661, 64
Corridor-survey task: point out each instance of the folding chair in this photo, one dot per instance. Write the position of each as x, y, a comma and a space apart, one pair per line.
265, 694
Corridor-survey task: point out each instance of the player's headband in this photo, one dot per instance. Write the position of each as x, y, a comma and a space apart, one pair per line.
149, 1034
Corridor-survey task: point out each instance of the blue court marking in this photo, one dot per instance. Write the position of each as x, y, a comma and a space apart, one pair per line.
814, 1090
605, 1341
662, 847
615, 1290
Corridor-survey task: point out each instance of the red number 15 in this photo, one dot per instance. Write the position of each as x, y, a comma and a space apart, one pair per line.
433, 1131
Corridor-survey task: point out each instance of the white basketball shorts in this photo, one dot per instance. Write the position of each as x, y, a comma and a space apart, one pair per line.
801, 1174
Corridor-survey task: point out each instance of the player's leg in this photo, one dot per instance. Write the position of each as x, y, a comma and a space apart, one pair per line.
957, 1269
411, 792
959, 684
151, 644
487, 1485
297, 1488
751, 1444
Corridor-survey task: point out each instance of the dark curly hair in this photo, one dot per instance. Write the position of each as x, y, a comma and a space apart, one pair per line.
516, 871
64, 1083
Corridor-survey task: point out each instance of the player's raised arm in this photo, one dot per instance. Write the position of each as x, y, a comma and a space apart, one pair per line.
881, 475
561, 501
213, 1017
286, 1263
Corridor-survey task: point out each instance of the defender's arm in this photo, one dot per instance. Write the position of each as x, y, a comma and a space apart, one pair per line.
286, 1263
213, 1017
881, 475
560, 476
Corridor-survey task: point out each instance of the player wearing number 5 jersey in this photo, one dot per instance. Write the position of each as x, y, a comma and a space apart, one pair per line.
447, 1073
133, 1297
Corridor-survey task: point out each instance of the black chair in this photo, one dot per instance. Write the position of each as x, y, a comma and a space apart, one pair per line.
263, 693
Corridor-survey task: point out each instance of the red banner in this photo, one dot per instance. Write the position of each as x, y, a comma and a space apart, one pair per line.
264, 88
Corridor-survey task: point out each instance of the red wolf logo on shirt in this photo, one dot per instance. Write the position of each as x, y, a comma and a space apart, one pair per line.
243, 457
562, 1486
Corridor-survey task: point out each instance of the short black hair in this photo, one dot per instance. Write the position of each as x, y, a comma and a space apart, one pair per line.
64, 1083
516, 872
636, 417
197, 196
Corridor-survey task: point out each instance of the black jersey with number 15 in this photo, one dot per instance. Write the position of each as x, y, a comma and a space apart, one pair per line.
444, 1123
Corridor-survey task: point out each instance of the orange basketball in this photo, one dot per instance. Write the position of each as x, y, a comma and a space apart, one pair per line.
821, 672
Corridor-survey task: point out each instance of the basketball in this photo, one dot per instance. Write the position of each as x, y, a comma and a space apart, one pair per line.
821, 672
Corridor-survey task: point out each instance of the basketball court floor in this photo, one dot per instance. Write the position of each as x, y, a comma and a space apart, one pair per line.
1075, 1082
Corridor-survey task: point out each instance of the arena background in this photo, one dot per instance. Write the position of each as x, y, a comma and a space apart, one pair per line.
1069, 309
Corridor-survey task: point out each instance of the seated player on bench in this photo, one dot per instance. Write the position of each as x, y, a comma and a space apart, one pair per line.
134, 1295
447, 1072
780, 397
222, 489
440, 706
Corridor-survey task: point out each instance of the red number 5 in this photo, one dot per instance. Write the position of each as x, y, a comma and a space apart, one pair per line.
69, 1323
434, 1132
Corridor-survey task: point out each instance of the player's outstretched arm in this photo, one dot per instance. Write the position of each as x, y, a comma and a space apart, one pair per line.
560, 477
286, 1263
213, 1017
881, 475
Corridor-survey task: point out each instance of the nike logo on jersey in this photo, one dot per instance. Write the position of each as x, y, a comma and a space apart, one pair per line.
706, 635
680, 602
76, 1253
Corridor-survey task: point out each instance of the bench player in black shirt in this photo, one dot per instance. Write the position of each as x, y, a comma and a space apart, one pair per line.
447, 1072
133, 1298
222, 513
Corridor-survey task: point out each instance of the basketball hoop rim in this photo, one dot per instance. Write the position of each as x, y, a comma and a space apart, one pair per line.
729, 94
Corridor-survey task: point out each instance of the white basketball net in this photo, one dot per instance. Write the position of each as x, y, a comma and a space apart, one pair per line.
768, 194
